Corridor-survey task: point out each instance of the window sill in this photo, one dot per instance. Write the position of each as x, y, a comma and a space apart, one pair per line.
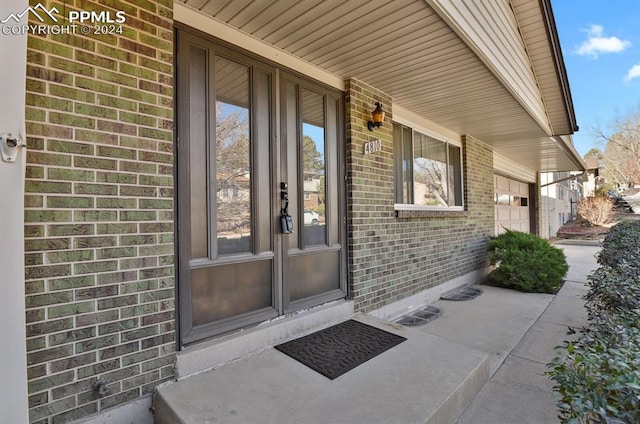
413, 211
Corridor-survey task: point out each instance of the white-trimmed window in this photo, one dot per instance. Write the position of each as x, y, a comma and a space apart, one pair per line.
428, 171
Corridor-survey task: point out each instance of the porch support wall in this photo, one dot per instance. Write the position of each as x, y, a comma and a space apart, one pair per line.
99, 214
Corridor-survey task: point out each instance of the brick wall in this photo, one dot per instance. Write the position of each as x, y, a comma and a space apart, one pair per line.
99, 212
479, 189
394, 257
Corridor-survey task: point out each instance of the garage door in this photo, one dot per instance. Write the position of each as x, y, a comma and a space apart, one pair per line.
512, 205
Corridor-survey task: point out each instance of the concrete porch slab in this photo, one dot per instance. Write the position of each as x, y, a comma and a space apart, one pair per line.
493, 323
426, 379
207, 355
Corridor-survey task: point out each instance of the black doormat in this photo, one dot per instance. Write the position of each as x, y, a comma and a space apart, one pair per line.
338, 349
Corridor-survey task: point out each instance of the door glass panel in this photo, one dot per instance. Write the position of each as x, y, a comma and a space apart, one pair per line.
226, 291
233, 164
313, 168
198, 114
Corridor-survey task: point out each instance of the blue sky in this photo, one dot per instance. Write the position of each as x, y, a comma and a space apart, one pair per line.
600, 42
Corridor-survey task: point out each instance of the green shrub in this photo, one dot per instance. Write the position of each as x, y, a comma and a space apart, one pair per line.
622, 245
526, 262
614, 291
598, 375
599, 381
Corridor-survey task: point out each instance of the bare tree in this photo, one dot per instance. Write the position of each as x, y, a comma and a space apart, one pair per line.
233, 171
432, 174
621, 156
232, 148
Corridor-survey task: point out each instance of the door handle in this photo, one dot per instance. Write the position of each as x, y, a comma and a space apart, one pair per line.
286, 220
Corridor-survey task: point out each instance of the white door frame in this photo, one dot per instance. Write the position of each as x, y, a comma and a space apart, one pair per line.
13, 367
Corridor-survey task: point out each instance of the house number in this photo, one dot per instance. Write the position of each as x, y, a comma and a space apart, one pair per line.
372, 146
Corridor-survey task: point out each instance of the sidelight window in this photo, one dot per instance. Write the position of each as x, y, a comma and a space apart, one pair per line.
233, 164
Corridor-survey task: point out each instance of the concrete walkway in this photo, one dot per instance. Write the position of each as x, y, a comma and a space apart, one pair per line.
519, 392
482, 361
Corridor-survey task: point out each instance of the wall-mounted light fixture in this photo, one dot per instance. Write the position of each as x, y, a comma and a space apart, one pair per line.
378, 117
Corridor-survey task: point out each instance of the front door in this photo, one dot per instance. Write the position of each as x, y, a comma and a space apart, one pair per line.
255, 143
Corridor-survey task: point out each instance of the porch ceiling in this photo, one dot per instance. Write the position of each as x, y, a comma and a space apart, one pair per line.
404, 48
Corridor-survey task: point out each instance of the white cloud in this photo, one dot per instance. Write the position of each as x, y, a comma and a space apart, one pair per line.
634, 72
595, 31
597, 43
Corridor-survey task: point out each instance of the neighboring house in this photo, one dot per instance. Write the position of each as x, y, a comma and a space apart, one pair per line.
311, 190
126, 275
593, 181
561, 192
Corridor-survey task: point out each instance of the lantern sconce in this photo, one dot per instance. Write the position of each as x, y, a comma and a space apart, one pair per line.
378, 117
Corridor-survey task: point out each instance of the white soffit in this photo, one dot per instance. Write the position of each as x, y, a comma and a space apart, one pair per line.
504, 166
490, 29
548, 65
408, 51
406, 117
401, 47
202, 22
